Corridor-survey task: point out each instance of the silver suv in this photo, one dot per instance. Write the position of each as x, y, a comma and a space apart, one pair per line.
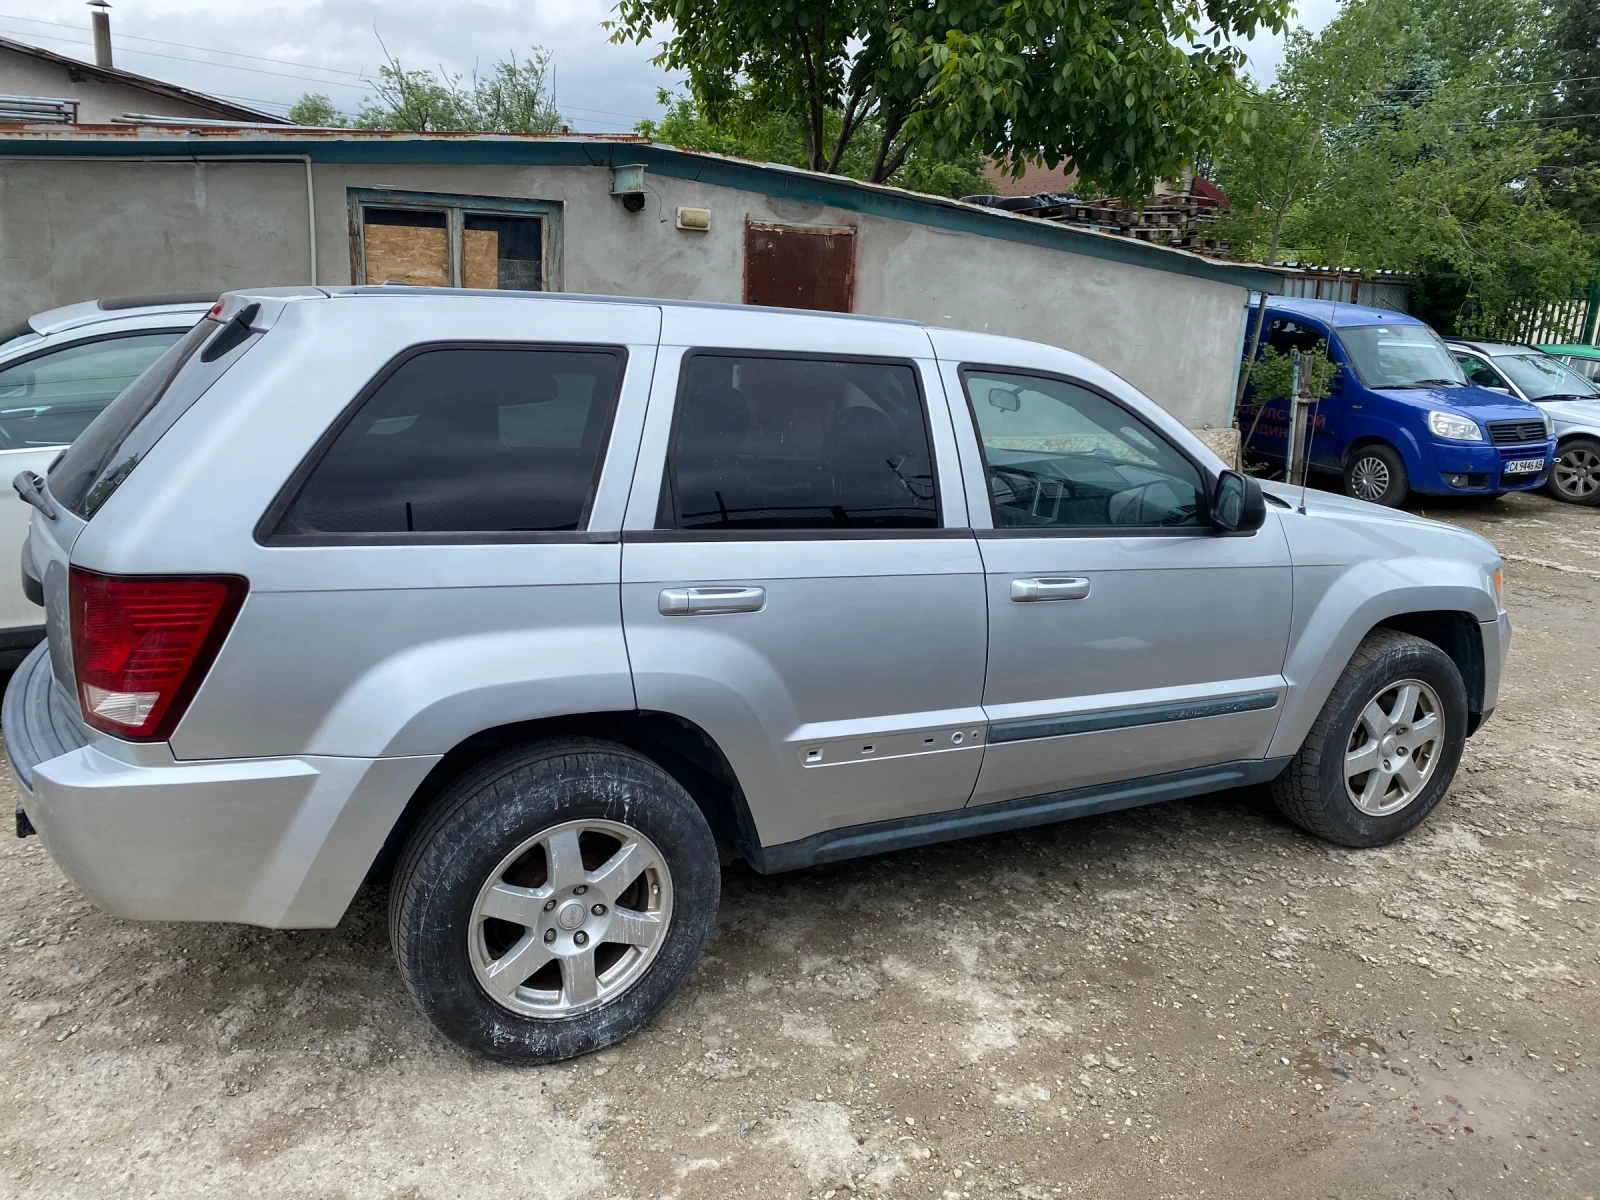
546, 606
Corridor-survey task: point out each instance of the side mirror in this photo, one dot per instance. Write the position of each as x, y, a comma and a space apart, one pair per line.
1237, 505
1504, 391
1004, 399
1336, 381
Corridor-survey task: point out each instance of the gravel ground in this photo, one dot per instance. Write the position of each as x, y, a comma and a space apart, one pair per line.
1192, 1001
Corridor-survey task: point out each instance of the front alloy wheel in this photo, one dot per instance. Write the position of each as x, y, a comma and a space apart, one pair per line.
1383, 750
1575, 475
1394, 748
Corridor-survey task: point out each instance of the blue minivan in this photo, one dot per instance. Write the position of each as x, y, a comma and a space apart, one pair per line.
1401, 416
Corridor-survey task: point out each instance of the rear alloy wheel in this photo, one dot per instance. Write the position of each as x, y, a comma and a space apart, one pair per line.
554, 900
1575, 475
571, 918
1377, 474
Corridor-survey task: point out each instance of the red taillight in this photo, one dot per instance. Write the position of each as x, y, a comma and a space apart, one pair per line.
142, 644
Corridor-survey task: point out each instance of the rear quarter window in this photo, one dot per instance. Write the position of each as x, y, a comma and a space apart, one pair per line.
468, 442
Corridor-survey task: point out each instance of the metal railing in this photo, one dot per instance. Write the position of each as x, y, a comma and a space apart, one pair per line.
39, 110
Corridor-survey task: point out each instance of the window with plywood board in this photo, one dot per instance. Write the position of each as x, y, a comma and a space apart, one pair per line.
454, 241
800, 266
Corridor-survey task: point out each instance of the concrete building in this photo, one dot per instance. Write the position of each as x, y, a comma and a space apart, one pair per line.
97, 95
106, 211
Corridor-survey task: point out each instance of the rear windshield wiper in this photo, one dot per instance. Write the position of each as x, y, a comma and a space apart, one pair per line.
31, 488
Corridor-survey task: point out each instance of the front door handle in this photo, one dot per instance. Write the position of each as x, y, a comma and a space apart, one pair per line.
1049, 587
677, 602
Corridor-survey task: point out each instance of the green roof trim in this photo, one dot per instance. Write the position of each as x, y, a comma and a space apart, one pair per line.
766, 179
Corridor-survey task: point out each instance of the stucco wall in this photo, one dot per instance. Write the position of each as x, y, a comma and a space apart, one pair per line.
74, 230
98, 103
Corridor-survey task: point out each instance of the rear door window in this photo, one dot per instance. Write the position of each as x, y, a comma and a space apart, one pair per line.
465, 441
49, 399
772, 442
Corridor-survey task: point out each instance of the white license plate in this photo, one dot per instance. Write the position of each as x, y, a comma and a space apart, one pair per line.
1523, 466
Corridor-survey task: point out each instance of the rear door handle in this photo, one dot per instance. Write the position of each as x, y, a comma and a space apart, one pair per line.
677, 602
1049, 587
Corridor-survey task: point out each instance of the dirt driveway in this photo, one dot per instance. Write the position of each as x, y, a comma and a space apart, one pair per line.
1187, 1001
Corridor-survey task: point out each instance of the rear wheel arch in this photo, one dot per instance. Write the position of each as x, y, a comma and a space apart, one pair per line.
678, 746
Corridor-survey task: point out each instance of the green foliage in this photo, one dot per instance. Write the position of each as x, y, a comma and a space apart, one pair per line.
1404, 136
314, 108
514, 97
1573, 107
748, 128
1274, 374
1127, 93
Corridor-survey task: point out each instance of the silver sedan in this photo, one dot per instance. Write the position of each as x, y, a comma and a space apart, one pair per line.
1570, 399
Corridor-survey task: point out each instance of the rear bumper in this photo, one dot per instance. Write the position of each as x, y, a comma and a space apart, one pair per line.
280, 842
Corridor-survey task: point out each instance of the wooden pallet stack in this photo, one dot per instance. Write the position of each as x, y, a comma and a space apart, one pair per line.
1178, 220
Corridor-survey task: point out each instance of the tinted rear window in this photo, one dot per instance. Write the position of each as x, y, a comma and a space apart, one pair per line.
766, 442
466, 440
116, 441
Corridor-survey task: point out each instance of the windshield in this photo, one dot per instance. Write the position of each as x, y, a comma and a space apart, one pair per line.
1540, 377
1400, 356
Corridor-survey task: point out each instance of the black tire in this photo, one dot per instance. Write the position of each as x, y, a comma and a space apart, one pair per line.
1577, 466
1312, 792
1377, 463
487, 814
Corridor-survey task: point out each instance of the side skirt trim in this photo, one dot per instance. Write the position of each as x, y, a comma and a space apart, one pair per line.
1123, 718
903, 833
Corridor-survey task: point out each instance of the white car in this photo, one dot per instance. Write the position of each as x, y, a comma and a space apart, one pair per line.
58, 369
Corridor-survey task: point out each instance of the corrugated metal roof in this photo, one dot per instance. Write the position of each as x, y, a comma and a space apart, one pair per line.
209, 141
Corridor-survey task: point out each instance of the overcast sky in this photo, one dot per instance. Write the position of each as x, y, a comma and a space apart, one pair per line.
267, 53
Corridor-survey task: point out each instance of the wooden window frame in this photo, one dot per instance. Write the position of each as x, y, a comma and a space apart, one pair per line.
456, 209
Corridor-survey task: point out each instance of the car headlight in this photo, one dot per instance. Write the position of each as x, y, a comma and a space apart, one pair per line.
1456, 429
1549, 424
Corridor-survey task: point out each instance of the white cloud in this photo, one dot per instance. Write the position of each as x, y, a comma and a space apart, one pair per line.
1266, 52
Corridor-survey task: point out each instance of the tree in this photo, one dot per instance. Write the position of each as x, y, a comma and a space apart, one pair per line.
514, 97
314, 108
1574, 107
750, 129
1405, 136
1128, 92
1288, 154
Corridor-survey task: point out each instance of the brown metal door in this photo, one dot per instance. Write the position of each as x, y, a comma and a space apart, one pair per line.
799, 266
